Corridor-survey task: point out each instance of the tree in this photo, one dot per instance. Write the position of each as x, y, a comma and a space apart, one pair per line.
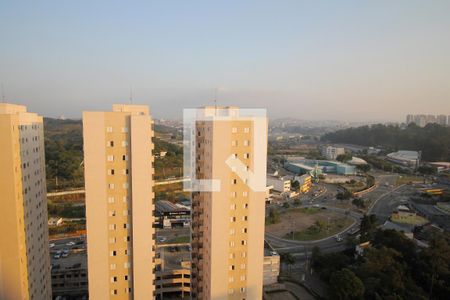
344, 157
345, 285
274, 216
288, 259
345, 195
368, 227
363, 168
358, 202
295, 185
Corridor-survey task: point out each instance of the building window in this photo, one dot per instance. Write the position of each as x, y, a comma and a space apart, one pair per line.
110, 144
233, 206
246, 130
234, 143
111, 200
111, 186
231, 279
242, 277
246, 143
110, 157
124, 143
243, 242
244, 230
234, 130
110, 171
232, 268
109, 129
112, 266
124, 129
114, 279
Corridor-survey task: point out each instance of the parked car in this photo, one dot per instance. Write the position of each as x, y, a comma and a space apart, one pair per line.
57, 256
51, 245
70, 243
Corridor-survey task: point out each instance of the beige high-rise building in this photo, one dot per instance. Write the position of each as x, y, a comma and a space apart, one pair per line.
119, 202
24, 252
228, 221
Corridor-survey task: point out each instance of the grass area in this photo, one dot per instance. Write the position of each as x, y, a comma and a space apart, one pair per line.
320, 230
306, 210
353, 187
405, 179
411, 220
180, 240
171, 192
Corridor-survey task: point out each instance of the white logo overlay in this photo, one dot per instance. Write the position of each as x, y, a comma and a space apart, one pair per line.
193, 118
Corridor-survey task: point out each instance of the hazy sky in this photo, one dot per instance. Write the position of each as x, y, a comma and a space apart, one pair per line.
343, 60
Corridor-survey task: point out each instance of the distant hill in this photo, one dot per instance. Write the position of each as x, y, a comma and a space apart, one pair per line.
433, 140
64, 153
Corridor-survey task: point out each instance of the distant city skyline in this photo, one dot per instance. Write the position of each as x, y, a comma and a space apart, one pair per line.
347, 61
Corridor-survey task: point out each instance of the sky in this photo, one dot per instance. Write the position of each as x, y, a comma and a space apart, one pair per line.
335, 60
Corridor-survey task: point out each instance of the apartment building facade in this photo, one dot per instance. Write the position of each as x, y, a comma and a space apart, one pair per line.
228, 221
24, 253
119, 202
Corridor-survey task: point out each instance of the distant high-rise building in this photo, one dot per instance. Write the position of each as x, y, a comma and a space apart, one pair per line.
228, 222
423, 120
441, 120
409, 119
24, 253
119, 202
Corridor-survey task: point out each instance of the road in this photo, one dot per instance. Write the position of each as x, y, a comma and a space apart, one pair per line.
383, 198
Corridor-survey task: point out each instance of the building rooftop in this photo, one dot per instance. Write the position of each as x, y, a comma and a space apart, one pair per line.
405, 154
164, 206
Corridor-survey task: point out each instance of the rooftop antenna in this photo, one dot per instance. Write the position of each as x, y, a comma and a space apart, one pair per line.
215, 98
131, 95
3, 93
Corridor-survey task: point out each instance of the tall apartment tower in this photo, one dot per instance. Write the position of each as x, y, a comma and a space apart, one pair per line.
24, 254
228, 222
119, 202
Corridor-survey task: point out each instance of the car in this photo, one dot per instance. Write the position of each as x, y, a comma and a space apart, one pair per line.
51, 245
57, 256
59, 252
66, 250
338, 238
316, 205
65, 254
161, 239
70, 243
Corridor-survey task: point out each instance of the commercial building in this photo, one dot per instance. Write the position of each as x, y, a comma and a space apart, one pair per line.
170, 215
271, 267
279, 184
410, 159
70, 277
310, 166
305, 182
228, 218
173, 272
24, 253
119, 202
331, 153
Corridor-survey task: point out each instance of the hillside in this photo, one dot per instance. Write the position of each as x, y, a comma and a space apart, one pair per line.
433, 140
64, 154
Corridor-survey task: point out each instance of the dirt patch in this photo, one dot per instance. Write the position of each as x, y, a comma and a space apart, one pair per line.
299, 219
